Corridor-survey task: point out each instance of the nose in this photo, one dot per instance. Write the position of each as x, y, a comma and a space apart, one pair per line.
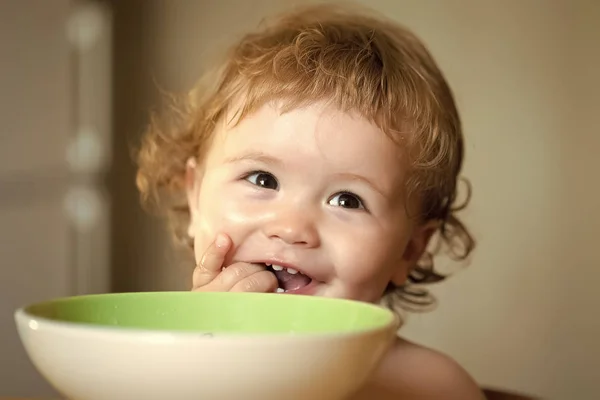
294, 228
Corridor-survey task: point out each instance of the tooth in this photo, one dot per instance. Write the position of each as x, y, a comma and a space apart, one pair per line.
267, 264
277, 267
279, 290
292, 271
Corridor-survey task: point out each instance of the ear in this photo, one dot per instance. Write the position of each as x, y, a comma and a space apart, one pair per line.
192, 191
415, 248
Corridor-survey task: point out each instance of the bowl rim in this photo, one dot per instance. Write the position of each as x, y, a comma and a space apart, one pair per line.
24, 317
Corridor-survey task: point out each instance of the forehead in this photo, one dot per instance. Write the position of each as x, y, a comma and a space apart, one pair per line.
315, 136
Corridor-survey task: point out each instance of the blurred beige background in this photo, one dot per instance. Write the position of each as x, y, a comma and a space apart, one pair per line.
522, 316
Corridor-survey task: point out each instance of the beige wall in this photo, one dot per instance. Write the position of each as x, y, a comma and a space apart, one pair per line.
34, 108
523, 314
50, 87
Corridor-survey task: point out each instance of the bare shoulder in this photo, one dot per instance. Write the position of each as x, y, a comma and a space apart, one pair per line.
410, 371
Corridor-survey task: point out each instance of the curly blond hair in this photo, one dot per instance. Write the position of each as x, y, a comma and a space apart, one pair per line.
350, 58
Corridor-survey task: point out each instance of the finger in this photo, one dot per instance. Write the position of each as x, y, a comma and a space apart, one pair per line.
233, 274
261, 282
212, 261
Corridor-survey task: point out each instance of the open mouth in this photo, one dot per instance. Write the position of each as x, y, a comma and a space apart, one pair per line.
289, 280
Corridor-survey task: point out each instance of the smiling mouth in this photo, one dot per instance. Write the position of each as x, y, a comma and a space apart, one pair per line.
289, 280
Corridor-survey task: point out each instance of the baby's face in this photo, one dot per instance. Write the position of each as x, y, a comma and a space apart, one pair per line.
315, 190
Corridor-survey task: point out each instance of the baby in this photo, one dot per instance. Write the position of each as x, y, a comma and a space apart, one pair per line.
320, 159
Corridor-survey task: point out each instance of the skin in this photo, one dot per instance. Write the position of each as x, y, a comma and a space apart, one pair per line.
321, 191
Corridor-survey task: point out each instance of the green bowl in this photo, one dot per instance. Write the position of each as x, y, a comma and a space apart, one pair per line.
186, 345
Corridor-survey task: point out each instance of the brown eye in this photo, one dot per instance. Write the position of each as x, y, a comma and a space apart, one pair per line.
346, 200
263, 180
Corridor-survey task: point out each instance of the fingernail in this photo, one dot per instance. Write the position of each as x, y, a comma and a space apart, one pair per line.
191, 162
221, 241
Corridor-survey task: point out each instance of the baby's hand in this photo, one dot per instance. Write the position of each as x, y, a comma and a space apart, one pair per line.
211, 276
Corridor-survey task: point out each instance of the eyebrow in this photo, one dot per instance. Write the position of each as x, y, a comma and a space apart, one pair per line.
254, 156
354, 177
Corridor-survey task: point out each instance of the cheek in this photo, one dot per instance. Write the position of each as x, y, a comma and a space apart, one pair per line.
370, 257
225, 213
219, 215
